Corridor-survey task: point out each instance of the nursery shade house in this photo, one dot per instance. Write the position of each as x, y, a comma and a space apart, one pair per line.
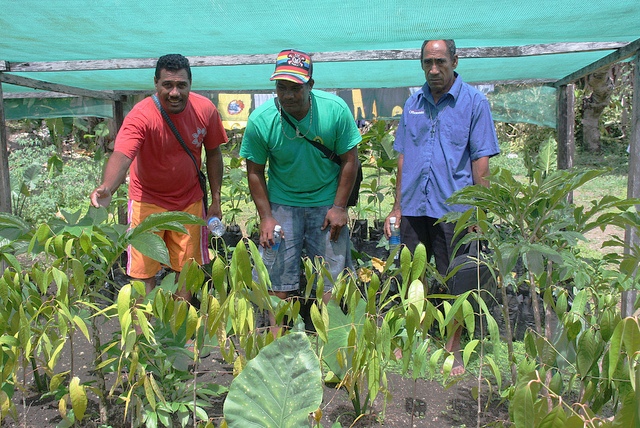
98, 54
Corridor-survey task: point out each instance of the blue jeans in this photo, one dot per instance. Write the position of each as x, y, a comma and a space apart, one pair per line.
301, 227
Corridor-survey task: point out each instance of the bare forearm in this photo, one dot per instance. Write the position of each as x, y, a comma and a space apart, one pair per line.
396, 202
115, 172
480, 171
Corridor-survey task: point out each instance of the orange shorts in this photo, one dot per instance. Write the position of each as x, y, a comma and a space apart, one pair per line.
181, 246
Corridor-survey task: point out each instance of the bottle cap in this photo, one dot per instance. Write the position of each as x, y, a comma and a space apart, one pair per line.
277, 228
392, 220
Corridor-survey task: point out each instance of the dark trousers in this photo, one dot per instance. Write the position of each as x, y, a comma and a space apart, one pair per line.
437, 238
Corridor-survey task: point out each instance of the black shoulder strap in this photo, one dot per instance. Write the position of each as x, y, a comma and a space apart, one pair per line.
174, 130
327, 152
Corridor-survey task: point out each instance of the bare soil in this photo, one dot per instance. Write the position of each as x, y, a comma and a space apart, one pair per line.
433, 405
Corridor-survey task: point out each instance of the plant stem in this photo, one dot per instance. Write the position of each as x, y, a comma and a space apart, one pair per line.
507, 326
36, 377
535, 306
101, 382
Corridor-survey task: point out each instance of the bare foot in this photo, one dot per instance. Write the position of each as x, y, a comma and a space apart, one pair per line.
453, 346
398, 353
458, 368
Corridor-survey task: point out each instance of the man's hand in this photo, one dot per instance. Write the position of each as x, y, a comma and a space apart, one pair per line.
214, 210
336, 217
395, 212
267, 225
101, 197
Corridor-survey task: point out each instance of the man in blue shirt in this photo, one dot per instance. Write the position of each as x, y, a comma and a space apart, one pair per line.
445, 139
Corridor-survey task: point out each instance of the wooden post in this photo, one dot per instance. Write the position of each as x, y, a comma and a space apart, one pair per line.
118, 117
566, 126
633, 185
5, 183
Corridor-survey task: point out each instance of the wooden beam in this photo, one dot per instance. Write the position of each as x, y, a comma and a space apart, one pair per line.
623, 53
36, 95
536, 50
55, 87
342, 56
4, 65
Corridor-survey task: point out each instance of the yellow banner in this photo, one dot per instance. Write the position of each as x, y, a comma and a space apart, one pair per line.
234, 109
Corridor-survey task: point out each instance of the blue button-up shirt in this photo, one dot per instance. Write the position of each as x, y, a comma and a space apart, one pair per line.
438, 142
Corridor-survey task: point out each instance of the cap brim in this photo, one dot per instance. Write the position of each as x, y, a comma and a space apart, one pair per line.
295, 78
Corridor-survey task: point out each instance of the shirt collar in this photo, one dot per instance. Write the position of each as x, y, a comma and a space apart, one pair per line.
454, 91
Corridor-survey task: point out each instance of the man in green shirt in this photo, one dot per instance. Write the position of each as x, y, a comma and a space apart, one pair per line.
306, 193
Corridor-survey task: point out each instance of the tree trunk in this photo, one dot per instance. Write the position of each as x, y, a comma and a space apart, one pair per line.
593, 105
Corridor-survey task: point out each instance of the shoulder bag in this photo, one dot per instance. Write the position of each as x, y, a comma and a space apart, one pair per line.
333, 156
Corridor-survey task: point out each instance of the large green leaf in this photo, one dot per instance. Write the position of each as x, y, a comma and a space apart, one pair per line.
340, 326
278, 388
171, 220
522, 405
78, 398
151, 245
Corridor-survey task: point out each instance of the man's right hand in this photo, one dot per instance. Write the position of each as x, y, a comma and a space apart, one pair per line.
395, 212
267, 225
101, 197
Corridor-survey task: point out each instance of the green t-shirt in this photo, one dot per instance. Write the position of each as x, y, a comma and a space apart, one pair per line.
298, 173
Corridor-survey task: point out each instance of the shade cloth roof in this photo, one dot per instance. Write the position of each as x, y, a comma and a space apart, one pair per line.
73, 33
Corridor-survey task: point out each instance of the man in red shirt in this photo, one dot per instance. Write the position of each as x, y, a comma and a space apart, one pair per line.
163, 176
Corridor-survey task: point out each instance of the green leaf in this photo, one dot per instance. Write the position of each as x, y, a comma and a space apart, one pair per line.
574, 421
123, 304
78, 398
608, 322
495, 370
468, 350
615, 347
192, 322
415, 296
276, 396
148, 391
628, 415
340, 326
587, 352
151, 245
170, 220
419, 263
556, 418
631, 336
522, 405
318, 323
218, 276
82, 326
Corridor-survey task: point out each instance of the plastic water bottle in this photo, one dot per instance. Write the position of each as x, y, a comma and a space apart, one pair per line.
216, 227
269, 254
394, 239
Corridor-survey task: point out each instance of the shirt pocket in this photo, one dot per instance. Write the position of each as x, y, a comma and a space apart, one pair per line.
456, 132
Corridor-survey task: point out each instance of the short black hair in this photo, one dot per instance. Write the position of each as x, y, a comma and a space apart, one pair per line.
173, 62
451, 47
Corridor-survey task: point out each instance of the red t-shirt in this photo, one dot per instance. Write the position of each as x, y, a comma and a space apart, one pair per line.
162, 173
